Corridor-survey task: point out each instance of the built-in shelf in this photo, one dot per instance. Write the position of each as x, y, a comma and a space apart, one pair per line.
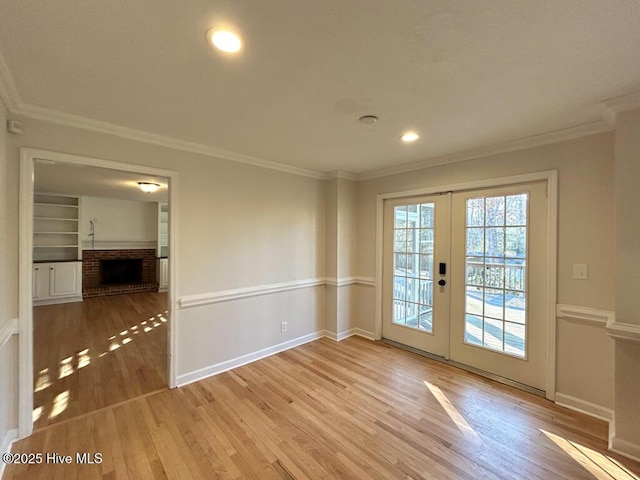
55, 225
162, 250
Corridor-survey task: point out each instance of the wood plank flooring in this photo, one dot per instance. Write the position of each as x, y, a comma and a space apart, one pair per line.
355, 409
99, 352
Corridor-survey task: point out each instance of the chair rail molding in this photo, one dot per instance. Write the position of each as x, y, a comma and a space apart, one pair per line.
586, 315
627, 332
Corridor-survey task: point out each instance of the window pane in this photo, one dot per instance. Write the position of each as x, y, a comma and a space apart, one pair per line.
426, 215
426, 240
426, 318
400, 241
412, 216
412, 290
517, 209
514, 306
494, 246
494, 273
493, 303
400, 262
413, 260
399, 288
412, 315
514, 275
426, 266
411, 241
493, 334
474, 300
514, 339
516, 242
475, 271
400, 215
426, 292
475, 241
399, 312
494, 211
473, 330
475, 212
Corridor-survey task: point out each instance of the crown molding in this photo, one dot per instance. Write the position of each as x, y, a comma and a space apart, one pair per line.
623, 103
522, 144
343, 174
76, 121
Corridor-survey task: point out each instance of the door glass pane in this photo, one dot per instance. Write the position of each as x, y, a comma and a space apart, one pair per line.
413, 265
496, 272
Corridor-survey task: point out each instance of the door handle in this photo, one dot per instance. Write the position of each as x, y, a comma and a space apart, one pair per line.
442, 282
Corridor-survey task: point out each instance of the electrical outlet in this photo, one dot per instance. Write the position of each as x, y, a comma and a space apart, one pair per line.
283, 327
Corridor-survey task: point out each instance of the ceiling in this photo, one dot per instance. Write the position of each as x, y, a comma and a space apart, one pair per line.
464, 74
75, 179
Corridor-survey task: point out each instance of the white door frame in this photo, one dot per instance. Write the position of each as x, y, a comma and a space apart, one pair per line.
25, 252
551, 178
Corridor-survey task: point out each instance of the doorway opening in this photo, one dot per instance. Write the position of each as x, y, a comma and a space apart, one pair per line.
97, 316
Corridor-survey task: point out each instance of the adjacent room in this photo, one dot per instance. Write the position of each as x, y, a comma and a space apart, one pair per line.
301, 240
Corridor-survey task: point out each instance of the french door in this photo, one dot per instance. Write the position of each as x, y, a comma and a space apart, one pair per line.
464, 277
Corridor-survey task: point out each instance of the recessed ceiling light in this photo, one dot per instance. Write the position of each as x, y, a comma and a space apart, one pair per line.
409, 137
148, 187
224, 40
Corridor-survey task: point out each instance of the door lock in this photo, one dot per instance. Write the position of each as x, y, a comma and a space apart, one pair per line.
442, 282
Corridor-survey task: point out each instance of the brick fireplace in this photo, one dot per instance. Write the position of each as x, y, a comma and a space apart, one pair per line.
112, 272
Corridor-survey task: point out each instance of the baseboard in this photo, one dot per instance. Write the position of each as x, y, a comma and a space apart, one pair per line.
56, 301
583, 406
349, 333
206, 372
624, 448
10, 437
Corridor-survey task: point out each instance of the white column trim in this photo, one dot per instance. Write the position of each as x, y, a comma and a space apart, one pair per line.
9, 329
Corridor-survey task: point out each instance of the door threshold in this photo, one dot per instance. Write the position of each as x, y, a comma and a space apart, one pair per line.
468, 368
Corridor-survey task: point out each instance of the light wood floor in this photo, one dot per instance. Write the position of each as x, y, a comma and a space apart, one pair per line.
355, 409
99, 352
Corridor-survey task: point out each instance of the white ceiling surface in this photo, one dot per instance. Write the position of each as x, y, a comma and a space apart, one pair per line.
95, 182
465, 73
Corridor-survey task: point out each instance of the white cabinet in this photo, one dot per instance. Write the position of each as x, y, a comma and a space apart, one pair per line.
163, 274
58, 282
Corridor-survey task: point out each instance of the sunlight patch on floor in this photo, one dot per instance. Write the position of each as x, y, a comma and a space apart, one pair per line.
597, 464
60, 404
453, 413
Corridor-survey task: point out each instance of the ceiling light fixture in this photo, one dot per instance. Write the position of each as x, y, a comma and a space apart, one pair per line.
224, 40
409, 137
148, 187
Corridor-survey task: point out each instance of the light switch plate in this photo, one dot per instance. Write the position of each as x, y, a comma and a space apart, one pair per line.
580, 271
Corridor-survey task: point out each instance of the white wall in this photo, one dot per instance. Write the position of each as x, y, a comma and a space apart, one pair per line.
119, 220
238, 226
586, 235
8, 301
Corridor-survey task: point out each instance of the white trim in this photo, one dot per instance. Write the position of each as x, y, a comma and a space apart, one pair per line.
10, 437
119, 245
189, 301
551, 177
25, 354
623, 331
76, 121
520, 144
623, 103
212, 370
624, 448
586, 315
341, 174
56, 301
346, 281
358, 332
9, 329
585, 407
